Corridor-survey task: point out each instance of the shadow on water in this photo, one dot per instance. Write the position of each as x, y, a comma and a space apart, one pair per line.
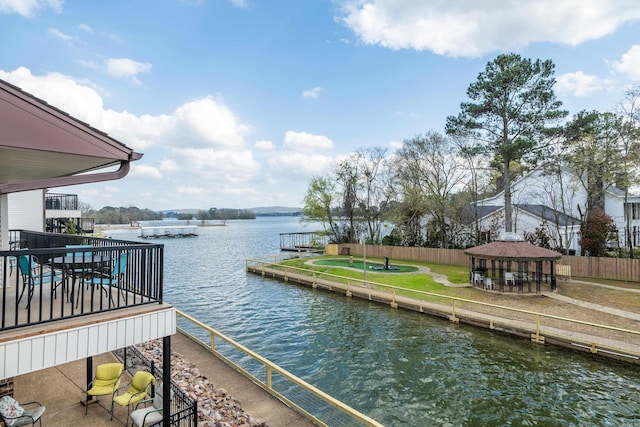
401, 368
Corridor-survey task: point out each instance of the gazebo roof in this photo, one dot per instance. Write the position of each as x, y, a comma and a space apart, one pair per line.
513, 250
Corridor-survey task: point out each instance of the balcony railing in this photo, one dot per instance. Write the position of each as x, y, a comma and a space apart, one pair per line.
48, 277
65, 202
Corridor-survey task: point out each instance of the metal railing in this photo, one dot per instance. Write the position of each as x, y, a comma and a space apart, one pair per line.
64, 202
184, 409
43, 279
607, 340
307, 400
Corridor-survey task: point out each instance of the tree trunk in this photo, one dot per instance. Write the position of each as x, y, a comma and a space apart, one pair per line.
508, 223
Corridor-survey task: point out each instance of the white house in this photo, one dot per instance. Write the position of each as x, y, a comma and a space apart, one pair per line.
554, 202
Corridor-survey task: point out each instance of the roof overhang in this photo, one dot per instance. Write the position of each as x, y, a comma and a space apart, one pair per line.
42, 146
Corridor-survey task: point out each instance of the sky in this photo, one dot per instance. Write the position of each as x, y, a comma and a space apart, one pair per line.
239, 103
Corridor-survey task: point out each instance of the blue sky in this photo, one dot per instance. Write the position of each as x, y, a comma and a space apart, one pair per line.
238, 103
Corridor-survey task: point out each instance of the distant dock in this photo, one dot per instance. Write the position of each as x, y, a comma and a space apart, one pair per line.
312, 241
171, 231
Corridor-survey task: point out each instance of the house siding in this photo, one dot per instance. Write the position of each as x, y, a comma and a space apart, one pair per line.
26, 210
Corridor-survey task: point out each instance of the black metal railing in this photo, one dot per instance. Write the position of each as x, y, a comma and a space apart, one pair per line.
184, 409
65, 202
47, 277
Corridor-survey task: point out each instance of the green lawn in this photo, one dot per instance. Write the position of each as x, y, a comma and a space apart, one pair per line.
414, 281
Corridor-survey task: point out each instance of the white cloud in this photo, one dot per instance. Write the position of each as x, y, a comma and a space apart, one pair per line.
312, 93
289, 165
629, 63
190, 190
209, 122
168, 165
578, 84
215, 166
28, 8
144, 171
470, 29
54, 32
85, 28
127, 68
264, 145
305, 141
239, 3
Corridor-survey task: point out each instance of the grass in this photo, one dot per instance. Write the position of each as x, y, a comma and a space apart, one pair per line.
414, 281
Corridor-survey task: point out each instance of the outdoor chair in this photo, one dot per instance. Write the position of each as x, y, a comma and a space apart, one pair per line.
34, 274
151, 415
136, 391
114, 279
14, 414
106, 381
508, 278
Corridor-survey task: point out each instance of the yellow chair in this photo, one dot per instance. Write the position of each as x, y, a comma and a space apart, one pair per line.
106, 382
137, 390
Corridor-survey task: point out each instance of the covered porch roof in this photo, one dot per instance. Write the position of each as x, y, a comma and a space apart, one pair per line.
42, 146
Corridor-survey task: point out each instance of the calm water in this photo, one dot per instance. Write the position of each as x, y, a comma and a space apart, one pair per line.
400, 368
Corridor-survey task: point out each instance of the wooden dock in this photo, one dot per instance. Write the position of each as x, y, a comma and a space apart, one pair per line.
304, 241
171, 231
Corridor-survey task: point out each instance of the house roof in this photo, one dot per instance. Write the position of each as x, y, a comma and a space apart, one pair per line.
513, 250
541, 211
42, 146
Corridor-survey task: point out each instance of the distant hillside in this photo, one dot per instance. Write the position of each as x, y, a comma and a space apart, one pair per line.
259, 211
276, 211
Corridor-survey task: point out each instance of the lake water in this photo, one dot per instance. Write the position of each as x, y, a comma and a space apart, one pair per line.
400, 368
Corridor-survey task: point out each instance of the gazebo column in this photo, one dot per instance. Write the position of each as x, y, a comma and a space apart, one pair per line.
501, 276
539, 266
553, 276
473, 269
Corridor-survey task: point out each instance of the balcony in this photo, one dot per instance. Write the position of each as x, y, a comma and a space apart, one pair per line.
63, 212
46, 280
65, 202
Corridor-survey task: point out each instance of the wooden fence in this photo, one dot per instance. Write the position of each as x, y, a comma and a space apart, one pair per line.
624, 269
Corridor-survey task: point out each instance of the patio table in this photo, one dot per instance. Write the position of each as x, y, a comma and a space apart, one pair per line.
80, 266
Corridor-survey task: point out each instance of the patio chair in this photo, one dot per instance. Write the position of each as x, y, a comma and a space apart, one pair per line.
148, 416
106, 381
112, 280
14, 414
136, 391
508, 278
34, 275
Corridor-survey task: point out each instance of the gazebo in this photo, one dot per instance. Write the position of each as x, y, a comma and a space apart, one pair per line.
512, 265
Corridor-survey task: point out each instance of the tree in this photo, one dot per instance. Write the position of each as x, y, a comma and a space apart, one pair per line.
630, 151
372, 194
513, 111
596, 232
476, 166
431, 164
319, 207
591, 147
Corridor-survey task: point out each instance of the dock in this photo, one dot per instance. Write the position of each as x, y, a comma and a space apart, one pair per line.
170, 231
309, 241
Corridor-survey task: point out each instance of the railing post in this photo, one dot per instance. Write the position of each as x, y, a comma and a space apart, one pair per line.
453, 317
536, 338
269, 377
213, 341
394, 304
